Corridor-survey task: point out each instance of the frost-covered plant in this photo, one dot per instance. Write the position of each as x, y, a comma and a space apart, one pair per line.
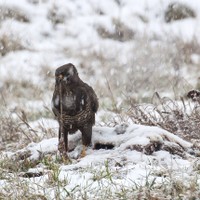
13, 13
121, 32
9, 43
177, 117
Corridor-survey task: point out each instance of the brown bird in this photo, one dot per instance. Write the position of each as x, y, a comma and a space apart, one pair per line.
194, 95
74, 104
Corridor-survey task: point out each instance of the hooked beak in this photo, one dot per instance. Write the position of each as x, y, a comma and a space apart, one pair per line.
59, 77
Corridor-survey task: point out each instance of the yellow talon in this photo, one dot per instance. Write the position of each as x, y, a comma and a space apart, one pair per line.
65, 158
83, 152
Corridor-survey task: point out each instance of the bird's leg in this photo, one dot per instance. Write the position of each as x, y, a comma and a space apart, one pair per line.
60, 141
59, 134
83, 152
65, 135
86, 138
63, 144
66, 139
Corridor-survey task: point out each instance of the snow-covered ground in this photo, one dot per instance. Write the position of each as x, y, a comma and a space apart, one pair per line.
82, 32
120, 158
127, 51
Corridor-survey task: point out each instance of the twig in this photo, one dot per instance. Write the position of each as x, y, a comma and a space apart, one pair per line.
112, 96
4, 101
61, 110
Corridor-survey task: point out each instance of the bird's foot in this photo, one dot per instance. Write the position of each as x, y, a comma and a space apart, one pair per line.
63, 153
83, 152
65, 158
61, 145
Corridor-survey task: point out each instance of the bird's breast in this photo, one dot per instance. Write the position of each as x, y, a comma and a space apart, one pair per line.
69, 101
55, 103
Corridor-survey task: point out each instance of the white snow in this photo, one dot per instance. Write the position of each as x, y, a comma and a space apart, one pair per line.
46, 43
126, 165
133, 135
50, 45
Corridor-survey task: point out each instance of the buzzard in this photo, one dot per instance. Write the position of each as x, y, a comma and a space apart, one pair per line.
74, 104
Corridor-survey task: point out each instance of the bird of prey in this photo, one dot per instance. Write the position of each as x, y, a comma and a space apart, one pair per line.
74, 104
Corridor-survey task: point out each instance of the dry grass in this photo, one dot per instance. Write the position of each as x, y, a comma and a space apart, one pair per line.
21, 102
172, 187
55, 17
151, 65
10, 131
10, 43
121, 32
20, 88
178, 11
13, 13
15, 131
179, 117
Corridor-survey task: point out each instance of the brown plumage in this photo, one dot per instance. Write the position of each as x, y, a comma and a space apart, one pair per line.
194, 95
74, 104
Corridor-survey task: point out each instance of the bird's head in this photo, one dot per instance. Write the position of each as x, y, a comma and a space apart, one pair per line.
193, 94
67, 74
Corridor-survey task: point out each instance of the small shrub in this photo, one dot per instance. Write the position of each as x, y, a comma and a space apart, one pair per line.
171, 116
9, 43
13, 13
178, 11
55, 17
121, 32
